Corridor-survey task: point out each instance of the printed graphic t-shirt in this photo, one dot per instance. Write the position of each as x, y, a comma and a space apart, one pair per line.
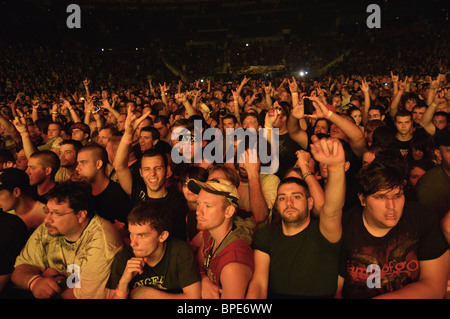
416, 237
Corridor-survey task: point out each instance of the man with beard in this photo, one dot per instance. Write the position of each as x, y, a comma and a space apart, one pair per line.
72, 238
298, 257
257, 192
68, 152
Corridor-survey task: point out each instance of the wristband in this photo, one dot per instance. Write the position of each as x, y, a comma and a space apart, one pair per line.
296, 93
121, 293
306, 175
33, 281
24, 134
328, 116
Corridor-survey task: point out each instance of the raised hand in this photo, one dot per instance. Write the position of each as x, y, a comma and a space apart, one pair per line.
298, 111
271, 116
364, 86
328, 151
20, 124
394, 77
163, 88
321, 109
293, 86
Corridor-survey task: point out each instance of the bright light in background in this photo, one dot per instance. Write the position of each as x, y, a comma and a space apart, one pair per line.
303, 73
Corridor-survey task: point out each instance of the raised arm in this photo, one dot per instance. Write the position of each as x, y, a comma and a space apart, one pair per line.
293, 87
353, 133
397, 97
293, 125
86, 83
365, 113
236, 99
9, 127
121, 159
331, 153
73, 114
163, 88
34, 113
316, 191
258, 204
427, 118
268, 90
182, 99
105, 104
21, 127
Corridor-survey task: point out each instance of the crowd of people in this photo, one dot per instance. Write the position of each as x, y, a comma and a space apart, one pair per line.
96, 202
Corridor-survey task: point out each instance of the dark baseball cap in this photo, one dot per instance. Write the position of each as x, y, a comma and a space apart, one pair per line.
81, 126
11, 178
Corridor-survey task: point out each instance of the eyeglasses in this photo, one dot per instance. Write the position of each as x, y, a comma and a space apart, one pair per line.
58, 215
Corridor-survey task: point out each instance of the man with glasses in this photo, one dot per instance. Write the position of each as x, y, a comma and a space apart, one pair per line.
70, 254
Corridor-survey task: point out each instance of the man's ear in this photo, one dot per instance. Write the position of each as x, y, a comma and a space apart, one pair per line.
438, 154
48, 170
17, 192
230, 211
98, 164
163, 236
310, 203
82, 216
168, 171
362, 199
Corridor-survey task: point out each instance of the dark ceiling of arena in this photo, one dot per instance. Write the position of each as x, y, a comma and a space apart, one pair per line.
135, 22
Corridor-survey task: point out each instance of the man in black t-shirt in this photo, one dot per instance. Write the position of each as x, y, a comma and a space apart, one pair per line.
155, 265
110, 201
151, 184
298, 258
391, 248
404, 131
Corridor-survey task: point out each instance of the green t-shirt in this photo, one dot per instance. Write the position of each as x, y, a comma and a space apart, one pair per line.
304, 265
176, 270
